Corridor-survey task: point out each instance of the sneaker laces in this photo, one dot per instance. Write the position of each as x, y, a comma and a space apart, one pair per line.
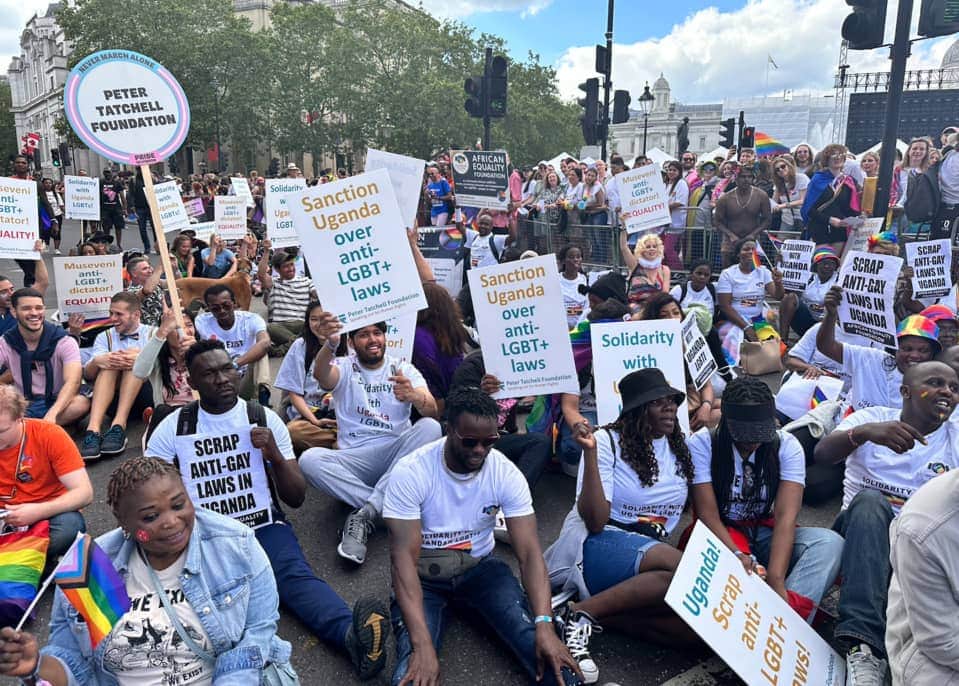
115, 430
90, 438
866, 669
358, 527
577, 638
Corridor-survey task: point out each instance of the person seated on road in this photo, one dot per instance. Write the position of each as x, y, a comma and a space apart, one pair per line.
162, 363
41, 282
244, 335
116, 390
218, 624
921, 647
309, 411
217, 261
44, 362
41, 473
631, 489
145, 282
800, 311
220, 412
103, 244
440, 506
747, 488
286, 298
889, 453
374, 394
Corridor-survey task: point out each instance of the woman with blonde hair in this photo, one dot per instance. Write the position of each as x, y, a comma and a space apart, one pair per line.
647, 273
789, 192
915, 161
869, 163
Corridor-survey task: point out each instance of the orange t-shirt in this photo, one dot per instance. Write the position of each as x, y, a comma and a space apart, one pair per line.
49, 453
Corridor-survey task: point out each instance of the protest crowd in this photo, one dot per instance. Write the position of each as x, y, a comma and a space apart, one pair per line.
818, 358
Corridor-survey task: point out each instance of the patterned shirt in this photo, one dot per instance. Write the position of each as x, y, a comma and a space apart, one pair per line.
288, 299
151, 306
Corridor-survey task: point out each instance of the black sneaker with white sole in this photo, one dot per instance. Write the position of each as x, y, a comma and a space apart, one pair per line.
577, 627
114, 441
90, 446
366, 637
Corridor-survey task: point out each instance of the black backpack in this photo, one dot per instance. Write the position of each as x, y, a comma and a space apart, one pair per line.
922, 195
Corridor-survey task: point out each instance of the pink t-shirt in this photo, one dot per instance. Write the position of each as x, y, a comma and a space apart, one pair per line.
66, 351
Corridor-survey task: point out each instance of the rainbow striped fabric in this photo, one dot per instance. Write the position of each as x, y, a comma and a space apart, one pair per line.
767, 145
817, 397
22, 557
93, 586
759, 255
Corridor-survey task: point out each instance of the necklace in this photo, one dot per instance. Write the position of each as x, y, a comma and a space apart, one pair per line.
748, 198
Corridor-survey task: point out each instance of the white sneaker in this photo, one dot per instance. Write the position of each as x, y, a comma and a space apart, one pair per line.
577, 629
863, 668
57, 252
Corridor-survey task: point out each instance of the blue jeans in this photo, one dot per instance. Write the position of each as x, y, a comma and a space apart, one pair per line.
814, 563
612, 556
38, 408
569, 451
143, 216
303, 593
598, 219
489, 591
865, 570
64, 528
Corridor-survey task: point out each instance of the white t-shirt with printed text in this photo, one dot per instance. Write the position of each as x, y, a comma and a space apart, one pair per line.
748, 290
576, 303
481, 254
874, 378
239, 339
702, 297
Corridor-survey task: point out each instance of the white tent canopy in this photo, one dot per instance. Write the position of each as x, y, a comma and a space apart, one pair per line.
713, 154
900, 146
658, 157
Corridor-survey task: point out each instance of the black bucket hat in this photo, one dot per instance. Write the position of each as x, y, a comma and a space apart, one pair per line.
643, 386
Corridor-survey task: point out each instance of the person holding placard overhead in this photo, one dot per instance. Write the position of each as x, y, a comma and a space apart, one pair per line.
800, 311
748, 486
631, 489
374, 395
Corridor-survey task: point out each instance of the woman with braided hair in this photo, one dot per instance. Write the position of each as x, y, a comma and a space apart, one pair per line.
748, 488
203, 600
630, 492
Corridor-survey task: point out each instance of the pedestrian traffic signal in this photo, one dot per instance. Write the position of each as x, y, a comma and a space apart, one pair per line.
727, 134
866, 26
621, 102
590, 105
497, 86
475, 96
938, 18
748, 139
64, 155
55, 154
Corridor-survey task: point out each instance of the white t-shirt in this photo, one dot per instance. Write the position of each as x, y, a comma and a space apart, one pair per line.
814, 294
631, 502
366, 407
748, 290
792, 467
481, 255
680, 194
295, 378
111, 340
574, 195
239, 339
877, 468
874, 378
456, 511
576, 303
144, 648
790, 216
703, 297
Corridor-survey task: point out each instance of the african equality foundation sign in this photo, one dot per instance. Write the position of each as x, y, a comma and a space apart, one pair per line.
481, 178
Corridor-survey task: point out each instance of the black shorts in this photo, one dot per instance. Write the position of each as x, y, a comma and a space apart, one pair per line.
111, 220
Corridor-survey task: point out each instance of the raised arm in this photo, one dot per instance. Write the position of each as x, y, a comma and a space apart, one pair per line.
324, 371
826, 336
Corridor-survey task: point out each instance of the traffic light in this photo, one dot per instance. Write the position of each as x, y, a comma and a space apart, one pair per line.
273, 170
727, 134
590, 105
748, 139
55, 154
497, 86
475, 96
621, 102
65, 154
865, 27
938, 18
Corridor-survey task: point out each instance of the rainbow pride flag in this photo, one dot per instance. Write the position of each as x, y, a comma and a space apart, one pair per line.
817, 397
93, 586
764, 330
759, 255
766, 145
22, 557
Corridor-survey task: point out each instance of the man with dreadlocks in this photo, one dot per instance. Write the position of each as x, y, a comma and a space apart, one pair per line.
748, 490
630, 492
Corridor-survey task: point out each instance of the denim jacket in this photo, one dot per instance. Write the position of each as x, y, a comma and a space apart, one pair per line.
228, 581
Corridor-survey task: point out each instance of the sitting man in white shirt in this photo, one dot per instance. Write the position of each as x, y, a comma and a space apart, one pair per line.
245, 337
889, 454
441, 506
374, 394
110, 371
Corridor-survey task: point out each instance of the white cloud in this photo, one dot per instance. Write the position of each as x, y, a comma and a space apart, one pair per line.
711, 55
14, 15
457, 9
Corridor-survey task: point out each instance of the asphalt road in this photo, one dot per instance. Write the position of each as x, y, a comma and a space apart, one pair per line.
469, 654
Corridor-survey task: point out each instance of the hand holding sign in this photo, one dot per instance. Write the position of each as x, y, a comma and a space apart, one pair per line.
489, 384
330, 328
832, 300
262, 438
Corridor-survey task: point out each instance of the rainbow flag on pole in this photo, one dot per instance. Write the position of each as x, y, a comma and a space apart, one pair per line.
766, 145
759, 255
93, 586
22, 557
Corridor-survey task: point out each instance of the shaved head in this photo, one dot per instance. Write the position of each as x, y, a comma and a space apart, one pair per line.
918, 373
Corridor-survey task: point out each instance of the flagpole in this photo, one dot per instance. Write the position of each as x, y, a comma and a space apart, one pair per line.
44, 587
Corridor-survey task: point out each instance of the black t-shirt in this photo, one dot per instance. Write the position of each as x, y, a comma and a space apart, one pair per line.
110, 194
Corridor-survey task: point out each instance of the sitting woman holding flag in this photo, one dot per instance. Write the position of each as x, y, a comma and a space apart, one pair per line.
174, 595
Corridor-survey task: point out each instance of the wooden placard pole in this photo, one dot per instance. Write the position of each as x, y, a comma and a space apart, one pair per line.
162, 246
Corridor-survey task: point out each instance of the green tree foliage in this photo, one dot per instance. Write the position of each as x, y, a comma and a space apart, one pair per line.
8, 130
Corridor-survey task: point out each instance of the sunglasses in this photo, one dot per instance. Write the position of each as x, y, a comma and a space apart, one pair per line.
472, 441
781, 167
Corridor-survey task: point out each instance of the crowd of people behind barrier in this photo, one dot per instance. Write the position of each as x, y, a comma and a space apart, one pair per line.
422, 447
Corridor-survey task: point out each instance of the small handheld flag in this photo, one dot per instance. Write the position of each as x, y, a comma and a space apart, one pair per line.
22, 557
817, 397
758, 255
93, 586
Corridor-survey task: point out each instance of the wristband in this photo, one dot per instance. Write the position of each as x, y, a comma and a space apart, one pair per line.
332, 348
541, 619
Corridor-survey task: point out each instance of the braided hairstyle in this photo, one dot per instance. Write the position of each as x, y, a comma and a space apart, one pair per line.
132, 473
636, 444
745, 390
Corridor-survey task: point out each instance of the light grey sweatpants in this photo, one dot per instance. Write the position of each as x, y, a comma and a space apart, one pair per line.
359, 475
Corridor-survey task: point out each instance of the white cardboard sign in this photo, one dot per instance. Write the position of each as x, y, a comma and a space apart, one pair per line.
745, 621
170, 207
699, 359
931, 263
797, 264
643, 196
868, 283
19, 219
620, 348
354, 240
525, 344
229, 213
406, 175
85, 285
241, 189
279, 222
81, 197
400, 333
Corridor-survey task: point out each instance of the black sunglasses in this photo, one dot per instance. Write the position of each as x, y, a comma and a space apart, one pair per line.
472, 442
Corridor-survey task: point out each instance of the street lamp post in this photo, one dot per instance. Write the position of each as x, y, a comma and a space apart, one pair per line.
645, 101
